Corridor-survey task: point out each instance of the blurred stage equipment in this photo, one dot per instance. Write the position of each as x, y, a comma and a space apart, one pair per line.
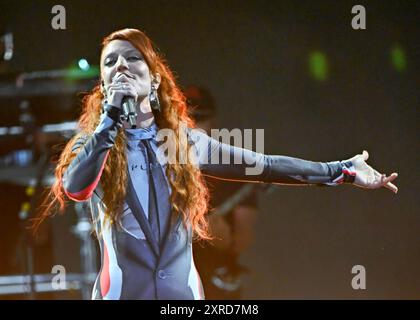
6, 49
22, 102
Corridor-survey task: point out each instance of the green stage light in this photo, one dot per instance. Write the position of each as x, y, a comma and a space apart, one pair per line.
81, 70
318, 65
84, 64
398, 58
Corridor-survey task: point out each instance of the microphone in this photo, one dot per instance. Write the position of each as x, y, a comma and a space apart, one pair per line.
129, 111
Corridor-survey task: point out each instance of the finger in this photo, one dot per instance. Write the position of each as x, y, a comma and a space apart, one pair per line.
114, 87
381, 179
365, 155
384, 179
123, 89
125, 92
115, 84
391, 187
392, 177
128, 87
387, 182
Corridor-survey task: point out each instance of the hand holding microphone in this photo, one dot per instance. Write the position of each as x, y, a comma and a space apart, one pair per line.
122, 95
129, 111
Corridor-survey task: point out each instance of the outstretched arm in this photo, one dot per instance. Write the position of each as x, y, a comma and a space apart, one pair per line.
224, 161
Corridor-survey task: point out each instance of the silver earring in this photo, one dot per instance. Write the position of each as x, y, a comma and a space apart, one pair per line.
154, 99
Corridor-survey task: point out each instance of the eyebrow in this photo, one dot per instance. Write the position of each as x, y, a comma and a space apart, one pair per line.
126, 52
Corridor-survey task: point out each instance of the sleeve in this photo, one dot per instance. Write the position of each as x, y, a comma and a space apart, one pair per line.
224, 161
85, 170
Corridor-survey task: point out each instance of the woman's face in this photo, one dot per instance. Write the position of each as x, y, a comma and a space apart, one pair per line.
122, 62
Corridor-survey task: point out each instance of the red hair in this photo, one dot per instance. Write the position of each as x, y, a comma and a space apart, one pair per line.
189, 196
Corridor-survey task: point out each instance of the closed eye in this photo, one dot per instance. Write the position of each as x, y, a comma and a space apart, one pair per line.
133, 58
110, 62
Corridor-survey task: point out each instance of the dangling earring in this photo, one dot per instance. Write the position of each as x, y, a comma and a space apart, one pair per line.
154, 99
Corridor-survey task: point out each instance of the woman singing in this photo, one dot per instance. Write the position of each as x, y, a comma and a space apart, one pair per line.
145, 209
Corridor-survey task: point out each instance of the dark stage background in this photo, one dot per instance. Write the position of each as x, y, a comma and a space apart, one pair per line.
255, 59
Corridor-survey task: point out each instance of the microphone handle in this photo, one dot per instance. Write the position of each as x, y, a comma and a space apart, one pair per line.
132, 120
129, 111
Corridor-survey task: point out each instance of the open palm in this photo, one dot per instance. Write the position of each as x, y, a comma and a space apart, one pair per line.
367, 177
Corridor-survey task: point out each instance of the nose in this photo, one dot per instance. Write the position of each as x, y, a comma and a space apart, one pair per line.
121, 64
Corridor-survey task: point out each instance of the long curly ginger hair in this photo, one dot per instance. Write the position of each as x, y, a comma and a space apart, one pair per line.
189, 196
